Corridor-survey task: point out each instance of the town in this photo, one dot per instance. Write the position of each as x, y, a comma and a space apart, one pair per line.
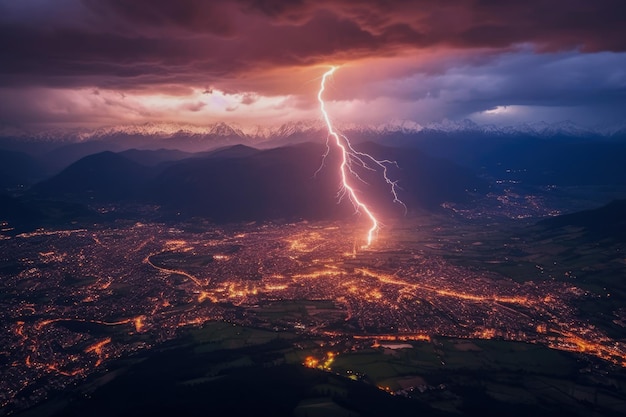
74, 300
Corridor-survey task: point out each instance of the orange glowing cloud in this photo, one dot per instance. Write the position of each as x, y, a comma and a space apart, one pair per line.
262, 59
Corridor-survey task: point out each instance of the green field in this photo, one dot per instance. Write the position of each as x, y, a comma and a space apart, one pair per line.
225, 369
448, 373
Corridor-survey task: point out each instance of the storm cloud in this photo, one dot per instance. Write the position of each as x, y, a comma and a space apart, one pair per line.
467, 55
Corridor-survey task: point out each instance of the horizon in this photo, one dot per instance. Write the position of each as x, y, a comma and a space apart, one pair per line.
407, 126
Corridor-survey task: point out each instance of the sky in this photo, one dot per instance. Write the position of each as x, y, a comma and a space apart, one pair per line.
93, 63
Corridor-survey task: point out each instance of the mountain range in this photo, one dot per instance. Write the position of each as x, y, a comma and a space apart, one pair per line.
242, 183
305, 130
496, 149
227, 173
606, 222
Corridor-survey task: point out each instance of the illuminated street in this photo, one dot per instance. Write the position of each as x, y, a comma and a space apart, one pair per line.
81, 298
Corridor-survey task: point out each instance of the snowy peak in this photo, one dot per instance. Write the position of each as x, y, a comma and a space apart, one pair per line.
449, 126
564, 128
223, 129
400, 126
312, 128
299, 127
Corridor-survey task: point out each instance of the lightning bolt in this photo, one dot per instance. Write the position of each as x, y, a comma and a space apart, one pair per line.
350, 157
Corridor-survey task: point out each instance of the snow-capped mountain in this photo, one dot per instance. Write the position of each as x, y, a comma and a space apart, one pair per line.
309, 129
565, 128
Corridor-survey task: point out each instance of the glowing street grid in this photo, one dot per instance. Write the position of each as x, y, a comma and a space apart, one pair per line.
81, 298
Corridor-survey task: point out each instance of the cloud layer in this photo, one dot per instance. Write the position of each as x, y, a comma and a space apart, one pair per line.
459, 57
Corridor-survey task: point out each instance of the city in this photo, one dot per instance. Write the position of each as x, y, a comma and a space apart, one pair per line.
74, 300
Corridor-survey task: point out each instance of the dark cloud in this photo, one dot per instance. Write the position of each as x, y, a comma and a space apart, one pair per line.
194, 107
449, 58
128, 43
592, 85
591, 25
154, 16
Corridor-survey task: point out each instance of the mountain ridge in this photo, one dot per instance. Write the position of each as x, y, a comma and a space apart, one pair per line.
242, 183
256, 133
